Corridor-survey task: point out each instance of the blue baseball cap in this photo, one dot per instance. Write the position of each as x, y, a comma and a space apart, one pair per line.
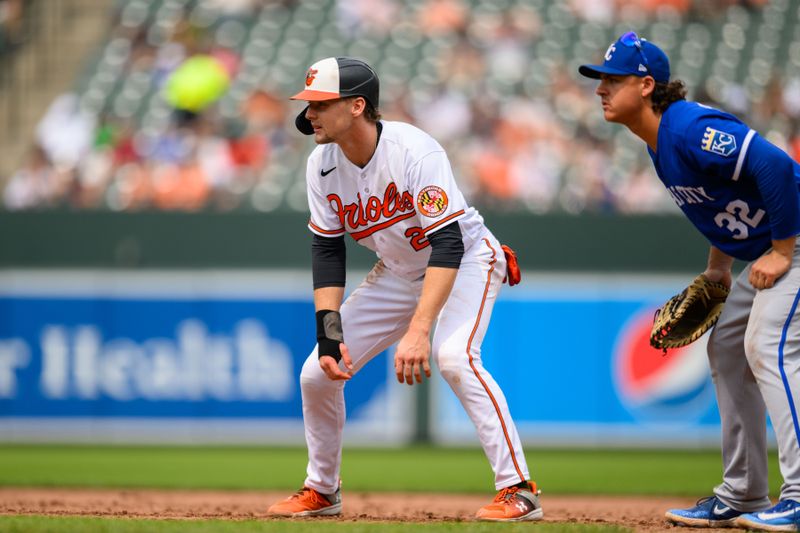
631, 56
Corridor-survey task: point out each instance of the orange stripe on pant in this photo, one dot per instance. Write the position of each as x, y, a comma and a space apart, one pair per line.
475, 370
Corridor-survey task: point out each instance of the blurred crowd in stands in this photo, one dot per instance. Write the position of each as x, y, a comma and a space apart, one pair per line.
522, 132
11, 21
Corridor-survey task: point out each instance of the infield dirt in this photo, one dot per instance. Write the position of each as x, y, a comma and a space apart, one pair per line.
635, 512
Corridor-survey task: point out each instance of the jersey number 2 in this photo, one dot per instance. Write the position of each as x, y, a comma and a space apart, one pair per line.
737, 217
415, 235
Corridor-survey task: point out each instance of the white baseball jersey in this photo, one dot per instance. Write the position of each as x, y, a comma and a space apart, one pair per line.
405, 193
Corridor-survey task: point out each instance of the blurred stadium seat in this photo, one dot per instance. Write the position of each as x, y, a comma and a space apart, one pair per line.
494, 81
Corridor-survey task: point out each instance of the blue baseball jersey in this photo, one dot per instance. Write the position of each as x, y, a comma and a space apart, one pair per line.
702, 159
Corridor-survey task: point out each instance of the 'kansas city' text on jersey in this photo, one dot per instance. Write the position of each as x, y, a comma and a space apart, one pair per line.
405, 193
700, 158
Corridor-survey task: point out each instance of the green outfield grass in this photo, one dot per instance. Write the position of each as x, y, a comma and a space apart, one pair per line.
656, 472
37, 524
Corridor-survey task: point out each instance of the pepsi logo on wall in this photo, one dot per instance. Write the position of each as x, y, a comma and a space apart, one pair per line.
655, 387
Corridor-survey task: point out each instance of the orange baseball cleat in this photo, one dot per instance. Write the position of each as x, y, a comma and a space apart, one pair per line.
308, 502
513, 504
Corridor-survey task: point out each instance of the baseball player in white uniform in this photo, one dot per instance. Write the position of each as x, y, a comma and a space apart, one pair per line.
390, 187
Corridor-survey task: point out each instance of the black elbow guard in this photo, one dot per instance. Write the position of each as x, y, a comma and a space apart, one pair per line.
447, 247
328, 260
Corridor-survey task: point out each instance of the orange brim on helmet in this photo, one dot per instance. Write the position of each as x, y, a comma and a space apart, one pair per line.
315, 96
336, 77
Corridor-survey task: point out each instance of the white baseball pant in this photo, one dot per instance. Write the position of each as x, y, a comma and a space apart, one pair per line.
375, 316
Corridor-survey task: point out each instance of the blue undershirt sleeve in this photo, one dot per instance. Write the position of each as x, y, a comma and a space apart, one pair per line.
774, 173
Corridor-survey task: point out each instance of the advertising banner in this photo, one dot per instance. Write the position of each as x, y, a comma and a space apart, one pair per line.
573, 359
215, 356
187, 357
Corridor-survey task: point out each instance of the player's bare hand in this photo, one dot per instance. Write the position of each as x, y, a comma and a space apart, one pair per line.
719, 276
331, 368
411, 357
768, 269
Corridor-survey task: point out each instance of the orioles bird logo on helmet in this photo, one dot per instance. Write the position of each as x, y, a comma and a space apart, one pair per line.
310, 75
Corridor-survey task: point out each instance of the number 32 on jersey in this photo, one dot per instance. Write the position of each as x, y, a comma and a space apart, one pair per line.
736, 218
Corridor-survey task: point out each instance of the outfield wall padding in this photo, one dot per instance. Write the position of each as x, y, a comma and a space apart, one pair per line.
586, 243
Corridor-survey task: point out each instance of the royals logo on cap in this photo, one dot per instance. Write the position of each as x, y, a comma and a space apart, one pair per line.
631, 55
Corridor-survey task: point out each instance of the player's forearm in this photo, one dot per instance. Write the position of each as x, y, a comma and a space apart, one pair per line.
719, 260
435, 291
328, 298
785, 247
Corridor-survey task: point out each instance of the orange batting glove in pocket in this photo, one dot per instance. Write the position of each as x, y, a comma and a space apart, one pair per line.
513, 275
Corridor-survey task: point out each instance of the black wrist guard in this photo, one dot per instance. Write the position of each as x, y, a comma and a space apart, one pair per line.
329, 334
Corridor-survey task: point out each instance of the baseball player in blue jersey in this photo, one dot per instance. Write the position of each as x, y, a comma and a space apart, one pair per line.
741, 193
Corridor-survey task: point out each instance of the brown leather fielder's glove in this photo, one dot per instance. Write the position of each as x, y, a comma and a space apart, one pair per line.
686, 316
